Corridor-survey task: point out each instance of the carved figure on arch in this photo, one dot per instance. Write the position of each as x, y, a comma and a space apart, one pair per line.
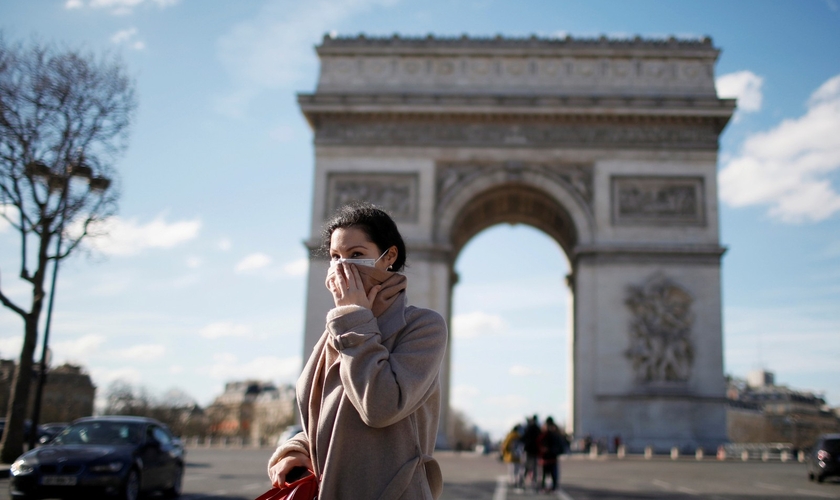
661, 348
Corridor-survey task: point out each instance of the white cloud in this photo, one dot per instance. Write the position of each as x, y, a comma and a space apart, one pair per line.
478, 323
744, 86
228, 366
103, 376
224, 329
275, 48
142, 352
7, 211
117, 7
507, 401
790, 166
253, 262
524, 371
225, 244
194, 262
77, 350
10, 346
297, 268
117, 236
128, 37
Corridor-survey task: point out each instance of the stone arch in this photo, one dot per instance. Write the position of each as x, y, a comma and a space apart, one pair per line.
530, 197
608, 146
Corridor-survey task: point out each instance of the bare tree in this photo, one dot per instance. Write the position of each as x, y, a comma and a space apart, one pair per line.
64, 118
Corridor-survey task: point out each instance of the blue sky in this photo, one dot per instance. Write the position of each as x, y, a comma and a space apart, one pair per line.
202, 280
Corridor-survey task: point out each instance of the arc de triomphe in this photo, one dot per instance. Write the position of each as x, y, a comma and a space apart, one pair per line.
608, 146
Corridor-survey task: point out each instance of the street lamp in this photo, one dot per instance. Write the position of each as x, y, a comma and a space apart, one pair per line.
54, 182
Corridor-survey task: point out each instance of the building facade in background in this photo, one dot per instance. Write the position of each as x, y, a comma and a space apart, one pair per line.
68, 394
762, 412
251, 410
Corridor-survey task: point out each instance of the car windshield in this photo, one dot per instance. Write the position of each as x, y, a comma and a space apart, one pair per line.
100, 433
832, 446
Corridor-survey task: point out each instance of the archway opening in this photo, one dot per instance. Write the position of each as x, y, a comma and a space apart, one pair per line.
511, 325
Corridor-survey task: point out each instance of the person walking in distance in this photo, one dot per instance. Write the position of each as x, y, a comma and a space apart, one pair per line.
551, 445
512, 454
369, 397
530, 440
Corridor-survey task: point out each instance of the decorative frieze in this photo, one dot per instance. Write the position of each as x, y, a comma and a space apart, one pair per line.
452, 177
702, 135
654, 200
394, 192
546, 65
661, 347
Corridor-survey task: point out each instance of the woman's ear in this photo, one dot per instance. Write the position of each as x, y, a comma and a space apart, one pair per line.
393, 253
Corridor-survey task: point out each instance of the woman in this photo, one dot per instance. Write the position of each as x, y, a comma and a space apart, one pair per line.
369, 396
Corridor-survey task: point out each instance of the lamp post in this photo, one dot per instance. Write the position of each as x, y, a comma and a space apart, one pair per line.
55, 181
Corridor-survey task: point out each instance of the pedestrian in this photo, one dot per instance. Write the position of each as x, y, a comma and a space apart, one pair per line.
530, 440
369, 396
551, 445
512, 454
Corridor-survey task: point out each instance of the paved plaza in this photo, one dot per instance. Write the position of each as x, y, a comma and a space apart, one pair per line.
239, 474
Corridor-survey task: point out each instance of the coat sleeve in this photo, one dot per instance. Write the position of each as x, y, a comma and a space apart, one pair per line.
385, 387
298, 443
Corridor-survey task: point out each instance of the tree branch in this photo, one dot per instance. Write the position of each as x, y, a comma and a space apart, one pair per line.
11, 305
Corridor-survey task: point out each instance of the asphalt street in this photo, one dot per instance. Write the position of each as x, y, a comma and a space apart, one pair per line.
239, 474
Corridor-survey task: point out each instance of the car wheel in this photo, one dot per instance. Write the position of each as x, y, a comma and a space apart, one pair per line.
131, 488
810, 476
177, 485
820, 478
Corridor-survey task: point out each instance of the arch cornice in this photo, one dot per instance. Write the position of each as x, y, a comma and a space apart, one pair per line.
568, 187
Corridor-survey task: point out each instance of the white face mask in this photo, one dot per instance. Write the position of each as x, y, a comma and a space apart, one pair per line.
358, 262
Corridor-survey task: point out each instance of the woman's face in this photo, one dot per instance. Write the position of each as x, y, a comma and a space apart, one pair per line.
353, 243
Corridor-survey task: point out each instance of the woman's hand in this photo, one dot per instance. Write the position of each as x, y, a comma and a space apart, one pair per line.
277, 472
346, 286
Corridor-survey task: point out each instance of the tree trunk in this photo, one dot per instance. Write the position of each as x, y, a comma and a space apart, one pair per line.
11, 446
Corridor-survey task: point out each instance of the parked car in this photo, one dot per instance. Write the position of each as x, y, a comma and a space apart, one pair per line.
116, 456
824, 458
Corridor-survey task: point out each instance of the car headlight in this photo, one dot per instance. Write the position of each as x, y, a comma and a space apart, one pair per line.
22, 467
109, 467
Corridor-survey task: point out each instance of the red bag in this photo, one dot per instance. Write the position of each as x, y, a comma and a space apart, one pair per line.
305, 488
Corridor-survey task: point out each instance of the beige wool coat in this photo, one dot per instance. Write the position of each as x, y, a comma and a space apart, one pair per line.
376, 414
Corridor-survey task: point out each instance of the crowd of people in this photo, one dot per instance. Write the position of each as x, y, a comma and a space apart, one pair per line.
532, 452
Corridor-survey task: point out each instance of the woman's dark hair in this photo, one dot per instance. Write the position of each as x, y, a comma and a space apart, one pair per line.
376, 224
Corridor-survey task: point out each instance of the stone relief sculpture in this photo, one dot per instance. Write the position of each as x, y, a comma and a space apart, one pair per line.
652, 200
396, 193
661, 348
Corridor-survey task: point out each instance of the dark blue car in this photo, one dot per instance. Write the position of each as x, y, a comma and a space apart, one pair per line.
115, 456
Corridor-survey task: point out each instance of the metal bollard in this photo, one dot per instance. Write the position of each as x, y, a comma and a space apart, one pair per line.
648, 452
765, 456
745, 455
698, 454
785, 456
675, 453
800, 457
721, 453
621, 452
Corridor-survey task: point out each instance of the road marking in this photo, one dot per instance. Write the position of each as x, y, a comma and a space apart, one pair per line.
501, 488
688, 491
562, 495
661, 484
